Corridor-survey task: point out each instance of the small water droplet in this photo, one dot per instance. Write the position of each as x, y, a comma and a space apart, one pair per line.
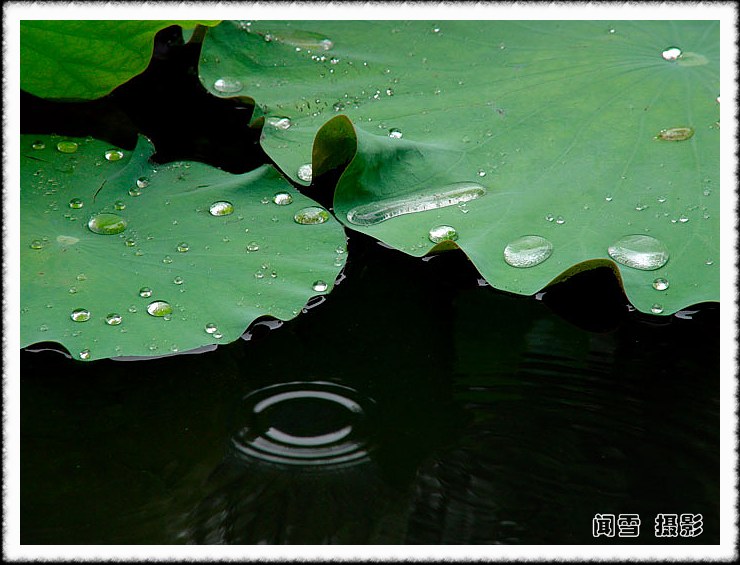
178, 280
442, 233
119, 205
84, 354
252, 246
608, 198
76, 203
218, 335
113, 319
259, 275
81, 277
183, 247
320, 286
550, 217
675, 134
107, 223
114, 155
134, 191
36, 244
142, 182
709, 262
279, 123
145, 292
39, 145
227, 85
527, 251
282, 199
167, 259
640, 206
159, 308
211, 328
72, 290
656, 308
481, 173
661, 284
311, 215
80, 315
560, 220
305, 172
221, 208
639, 252
67, 146
130, 242
671, 53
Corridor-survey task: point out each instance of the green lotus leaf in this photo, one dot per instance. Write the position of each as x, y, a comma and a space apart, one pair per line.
87, 59
124, 257
589, 135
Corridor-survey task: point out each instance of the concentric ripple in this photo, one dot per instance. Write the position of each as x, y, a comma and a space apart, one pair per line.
307, 424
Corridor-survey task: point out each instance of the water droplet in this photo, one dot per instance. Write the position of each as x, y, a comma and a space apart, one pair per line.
671, 53
76, 203
84, 354
656, 308
218, 335
80, 315
608, 198
227, 85
661, 284
113, 319
640, 206
550, 217
178, 280
72, 290
252, 246
282, 199
451, 195
114, 155
320, 286
130, 242
527, 251
36, 244
67, 146
311, 215
43, 328
639, 252
612, 30
145, 292
119, 205
305, 172
481, 173
142, 182
183, 247
560, 220
211, 328
167, 259
259, 275
81, 277
442, 233
134, 191
683, 219
107, 223
279, 123
395, 133
159, 308
675, 134
132, 309
39, 145
709, 262
221, 208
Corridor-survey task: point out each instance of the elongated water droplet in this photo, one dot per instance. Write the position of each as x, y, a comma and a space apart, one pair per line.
183, 247
657, 308
67, 146
114, 155
39, 145
305, 172
671, 53
253, 246
159, 308
145, 292
80, 315
675, 134
442, 233
142, 182
527, 251
661, 284
395, 133
279, 123
282, 199
113, 319
451, 195
84, 354
320, 286
227, 85
311, 215
221, 208
76, 203
107, 223
639, 252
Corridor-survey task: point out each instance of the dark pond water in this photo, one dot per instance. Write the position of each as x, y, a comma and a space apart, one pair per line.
411, 406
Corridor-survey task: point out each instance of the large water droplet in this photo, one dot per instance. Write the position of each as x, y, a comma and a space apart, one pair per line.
80, 315
311, 215
305, 172
320, 286
657, 308
227, 85
159, 308
527, 251
142, 182
113, 319
221, 208
67, 146
114, 155
282, 199
451, 195
442, 233
639, 252
145, 292
675, 134
661, 284
671, 53
107, 223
